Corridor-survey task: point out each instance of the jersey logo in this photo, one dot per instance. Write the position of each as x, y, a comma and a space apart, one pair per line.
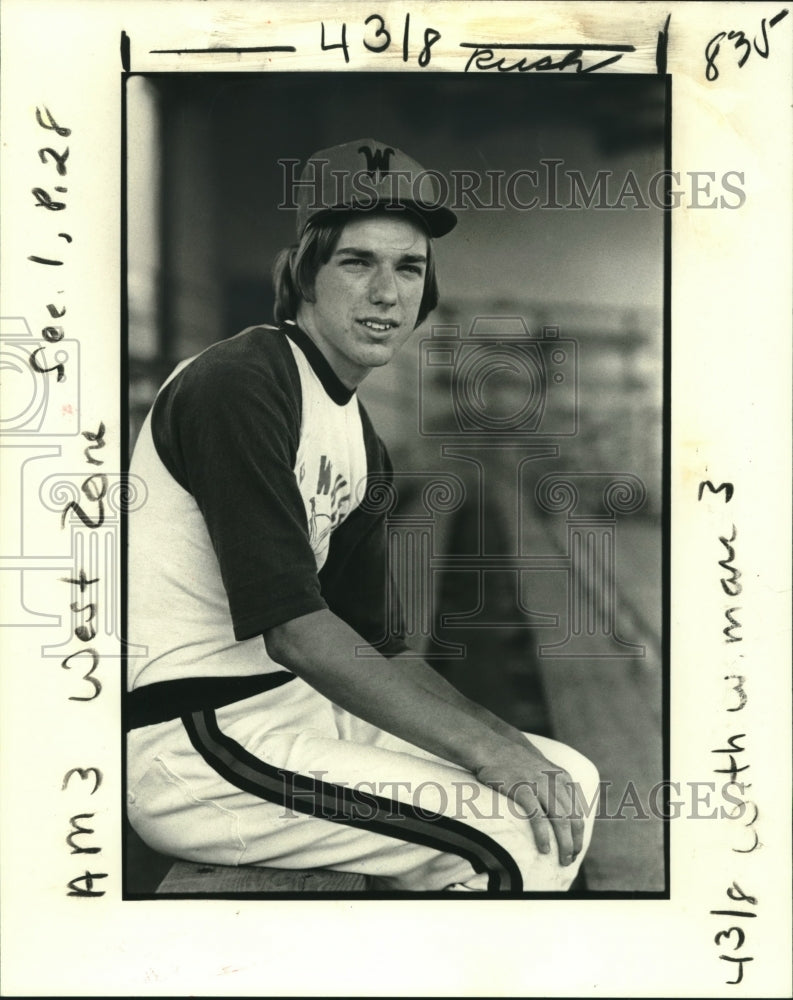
329, 505
377, 160
319, 525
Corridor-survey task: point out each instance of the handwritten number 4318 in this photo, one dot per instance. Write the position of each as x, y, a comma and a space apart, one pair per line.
741, 44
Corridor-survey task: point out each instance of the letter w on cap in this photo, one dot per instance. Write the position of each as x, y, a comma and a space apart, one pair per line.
377, 160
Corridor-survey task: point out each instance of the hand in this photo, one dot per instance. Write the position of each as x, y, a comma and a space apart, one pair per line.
544, 792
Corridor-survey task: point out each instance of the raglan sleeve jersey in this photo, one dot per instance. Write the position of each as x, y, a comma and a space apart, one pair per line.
255, 461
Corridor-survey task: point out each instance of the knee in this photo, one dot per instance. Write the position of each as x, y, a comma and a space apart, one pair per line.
586, 785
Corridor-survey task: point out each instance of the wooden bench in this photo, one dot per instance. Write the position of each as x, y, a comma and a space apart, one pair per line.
152, 873
186, 877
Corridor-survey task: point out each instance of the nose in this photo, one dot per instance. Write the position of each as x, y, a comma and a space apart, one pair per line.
383, 287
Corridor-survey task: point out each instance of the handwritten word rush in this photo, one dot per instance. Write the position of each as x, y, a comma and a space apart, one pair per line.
485, 57
743, 48
378, 37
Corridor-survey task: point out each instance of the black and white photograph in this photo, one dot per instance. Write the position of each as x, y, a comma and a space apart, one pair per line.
400, 570
395, 440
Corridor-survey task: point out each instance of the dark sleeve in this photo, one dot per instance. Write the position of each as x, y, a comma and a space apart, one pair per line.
356, 578
227, 429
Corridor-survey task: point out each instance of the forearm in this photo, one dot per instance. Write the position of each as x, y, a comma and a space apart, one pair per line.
400, 698
431, 680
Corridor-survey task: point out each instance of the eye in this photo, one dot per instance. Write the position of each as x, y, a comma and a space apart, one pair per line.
354, 262
417, 269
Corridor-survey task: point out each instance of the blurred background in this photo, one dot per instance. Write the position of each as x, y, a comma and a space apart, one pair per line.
203, 186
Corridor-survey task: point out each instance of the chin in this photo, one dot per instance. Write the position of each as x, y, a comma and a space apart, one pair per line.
378, 357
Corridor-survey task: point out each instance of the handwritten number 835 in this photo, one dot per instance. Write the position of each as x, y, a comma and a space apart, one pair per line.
741, 44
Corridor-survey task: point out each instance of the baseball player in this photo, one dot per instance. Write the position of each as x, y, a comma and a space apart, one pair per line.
259, 734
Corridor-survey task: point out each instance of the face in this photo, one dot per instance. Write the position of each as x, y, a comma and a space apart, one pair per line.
367, 296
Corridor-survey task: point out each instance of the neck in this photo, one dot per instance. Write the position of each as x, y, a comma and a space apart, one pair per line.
349, 375
339, 391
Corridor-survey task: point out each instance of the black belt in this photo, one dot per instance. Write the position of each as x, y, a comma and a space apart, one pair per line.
166, 700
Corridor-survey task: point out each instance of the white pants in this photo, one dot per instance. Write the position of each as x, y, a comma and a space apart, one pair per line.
286, 779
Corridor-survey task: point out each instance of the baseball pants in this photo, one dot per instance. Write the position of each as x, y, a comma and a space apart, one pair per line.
286, 779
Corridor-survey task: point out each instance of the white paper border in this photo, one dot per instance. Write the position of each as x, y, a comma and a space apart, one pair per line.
731, 422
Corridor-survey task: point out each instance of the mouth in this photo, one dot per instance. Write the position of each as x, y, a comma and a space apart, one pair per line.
378, 325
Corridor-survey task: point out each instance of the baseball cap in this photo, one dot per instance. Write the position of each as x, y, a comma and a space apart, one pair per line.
366, 173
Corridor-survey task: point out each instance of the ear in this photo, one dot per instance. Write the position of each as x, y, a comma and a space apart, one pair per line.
304, 289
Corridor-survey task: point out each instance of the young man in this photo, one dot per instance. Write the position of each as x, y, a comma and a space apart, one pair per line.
258, 575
